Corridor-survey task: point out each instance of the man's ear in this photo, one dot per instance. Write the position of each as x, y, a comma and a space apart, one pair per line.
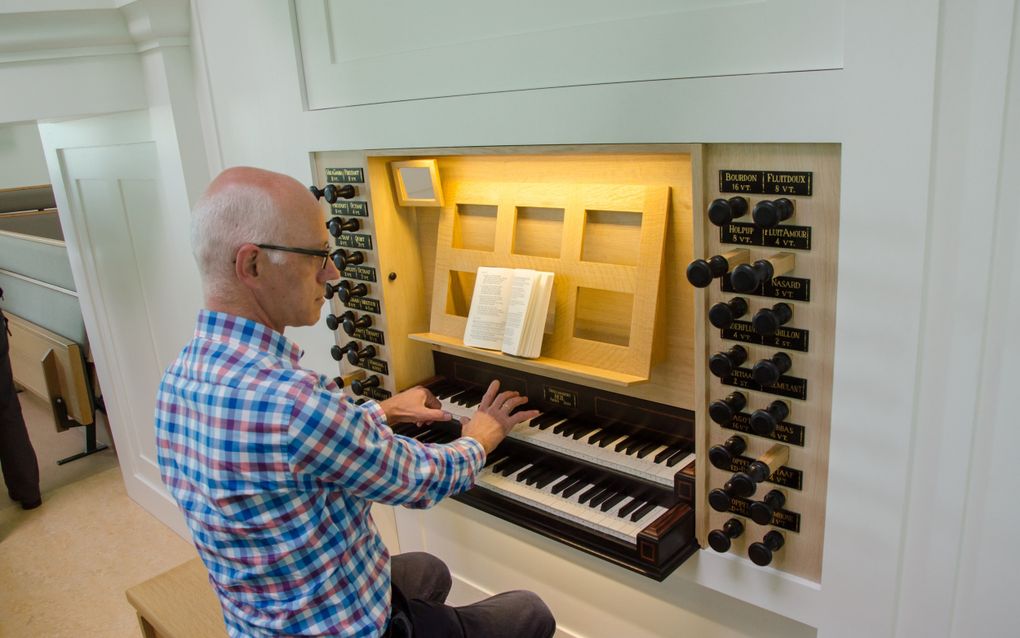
246, 264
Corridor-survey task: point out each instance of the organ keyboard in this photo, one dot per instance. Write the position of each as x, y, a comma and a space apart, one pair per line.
605, 473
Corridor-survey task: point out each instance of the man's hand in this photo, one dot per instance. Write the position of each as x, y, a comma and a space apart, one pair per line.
493, 421
415, 405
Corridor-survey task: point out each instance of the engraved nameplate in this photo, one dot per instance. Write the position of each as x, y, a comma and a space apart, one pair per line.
365, 304
787, 338
792, 288
354, 240
785, 476
793, 387
780, 518
345, 175
369, 334
765, 182
361, 273
560, 397
789, 433
783, 236
377, 393
374, 365
350, 208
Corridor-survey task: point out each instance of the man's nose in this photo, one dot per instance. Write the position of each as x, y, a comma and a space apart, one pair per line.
329, 273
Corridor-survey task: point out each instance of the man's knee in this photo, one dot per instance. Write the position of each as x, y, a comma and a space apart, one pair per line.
422, 575
525, 612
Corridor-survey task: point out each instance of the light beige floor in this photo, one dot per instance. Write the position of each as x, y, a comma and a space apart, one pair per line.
64, 566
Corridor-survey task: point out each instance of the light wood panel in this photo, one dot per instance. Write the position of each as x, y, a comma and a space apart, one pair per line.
802, 553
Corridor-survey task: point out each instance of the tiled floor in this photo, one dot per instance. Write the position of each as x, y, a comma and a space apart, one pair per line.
64, 566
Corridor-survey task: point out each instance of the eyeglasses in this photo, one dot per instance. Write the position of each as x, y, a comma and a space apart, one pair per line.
301, 251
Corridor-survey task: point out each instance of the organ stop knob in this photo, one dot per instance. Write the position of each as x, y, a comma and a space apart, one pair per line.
767, 371
767, 320
768, 213
722, 314
345, 293
341, 258
333, 192
739, 485
723, 410
338, 225
723, 211
747, 277
355, 357
765, 421
762, 511
722, 363
333, 322
721, 455
761, 552
359, 386
719, 539
352, 323
701, 272
338, 352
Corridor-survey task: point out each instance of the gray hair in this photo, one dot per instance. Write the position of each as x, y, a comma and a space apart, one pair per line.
225, 220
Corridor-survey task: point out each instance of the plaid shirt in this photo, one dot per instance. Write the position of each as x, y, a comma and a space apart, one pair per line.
275, 472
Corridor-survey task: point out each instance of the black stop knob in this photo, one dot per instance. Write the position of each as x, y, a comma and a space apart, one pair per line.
722, 363
341, 258
332, 289
333, 322
355, 357
722, 314
739, 484
345, 293
351, 323
719, 539
360, 385
338, 352
333, 192
723, 211
764, 422
761, 553
767, 320
701, 272
768, 213
767, 371
337, 225
721, 455
339, 381
762, 511
723, 410
747, 277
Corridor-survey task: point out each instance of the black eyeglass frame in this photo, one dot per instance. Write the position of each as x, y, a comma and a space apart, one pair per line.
324, 253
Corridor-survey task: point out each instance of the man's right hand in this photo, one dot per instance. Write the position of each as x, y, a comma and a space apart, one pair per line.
493, 421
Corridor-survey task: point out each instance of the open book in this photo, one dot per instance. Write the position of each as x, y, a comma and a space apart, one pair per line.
509, 309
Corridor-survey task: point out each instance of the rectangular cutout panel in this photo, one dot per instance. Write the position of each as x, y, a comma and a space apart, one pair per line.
474, 227
611, 237
538, 231
462, 287
603, 315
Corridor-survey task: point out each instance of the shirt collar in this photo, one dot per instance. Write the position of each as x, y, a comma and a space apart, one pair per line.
221, 326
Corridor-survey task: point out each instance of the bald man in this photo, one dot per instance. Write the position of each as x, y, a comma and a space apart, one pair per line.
275, 470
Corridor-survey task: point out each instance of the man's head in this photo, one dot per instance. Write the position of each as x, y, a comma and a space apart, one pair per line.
244, 207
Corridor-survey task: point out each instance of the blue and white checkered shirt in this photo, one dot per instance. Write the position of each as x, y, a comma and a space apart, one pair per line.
275, 471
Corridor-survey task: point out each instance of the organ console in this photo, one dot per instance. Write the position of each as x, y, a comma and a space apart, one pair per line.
701, 272
645, 448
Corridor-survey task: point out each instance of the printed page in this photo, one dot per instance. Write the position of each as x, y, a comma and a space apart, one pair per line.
487, 317
517, 310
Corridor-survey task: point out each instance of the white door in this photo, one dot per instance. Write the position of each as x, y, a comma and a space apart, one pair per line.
128, 264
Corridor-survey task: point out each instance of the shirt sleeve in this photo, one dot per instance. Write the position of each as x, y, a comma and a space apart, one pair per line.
333, 440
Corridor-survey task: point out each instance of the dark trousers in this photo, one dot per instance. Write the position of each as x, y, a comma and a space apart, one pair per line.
17, 458
421, 583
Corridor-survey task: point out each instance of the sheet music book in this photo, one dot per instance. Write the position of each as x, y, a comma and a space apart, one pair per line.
509, 310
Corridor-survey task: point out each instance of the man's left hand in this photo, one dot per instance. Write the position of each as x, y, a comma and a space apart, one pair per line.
416, 405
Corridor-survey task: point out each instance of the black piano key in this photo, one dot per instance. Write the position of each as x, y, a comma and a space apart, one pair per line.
625, 443
632, 505
499, 464
474, 399
544, 471
563, 425
513, 465
635, 445
580, 433
666, 453
531, 471
542, 419
645, 449
599, 487
567, 481
495, 457
547, 478
603, 496
613, 501
575, 426
676, 458
642, 511
613, 436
